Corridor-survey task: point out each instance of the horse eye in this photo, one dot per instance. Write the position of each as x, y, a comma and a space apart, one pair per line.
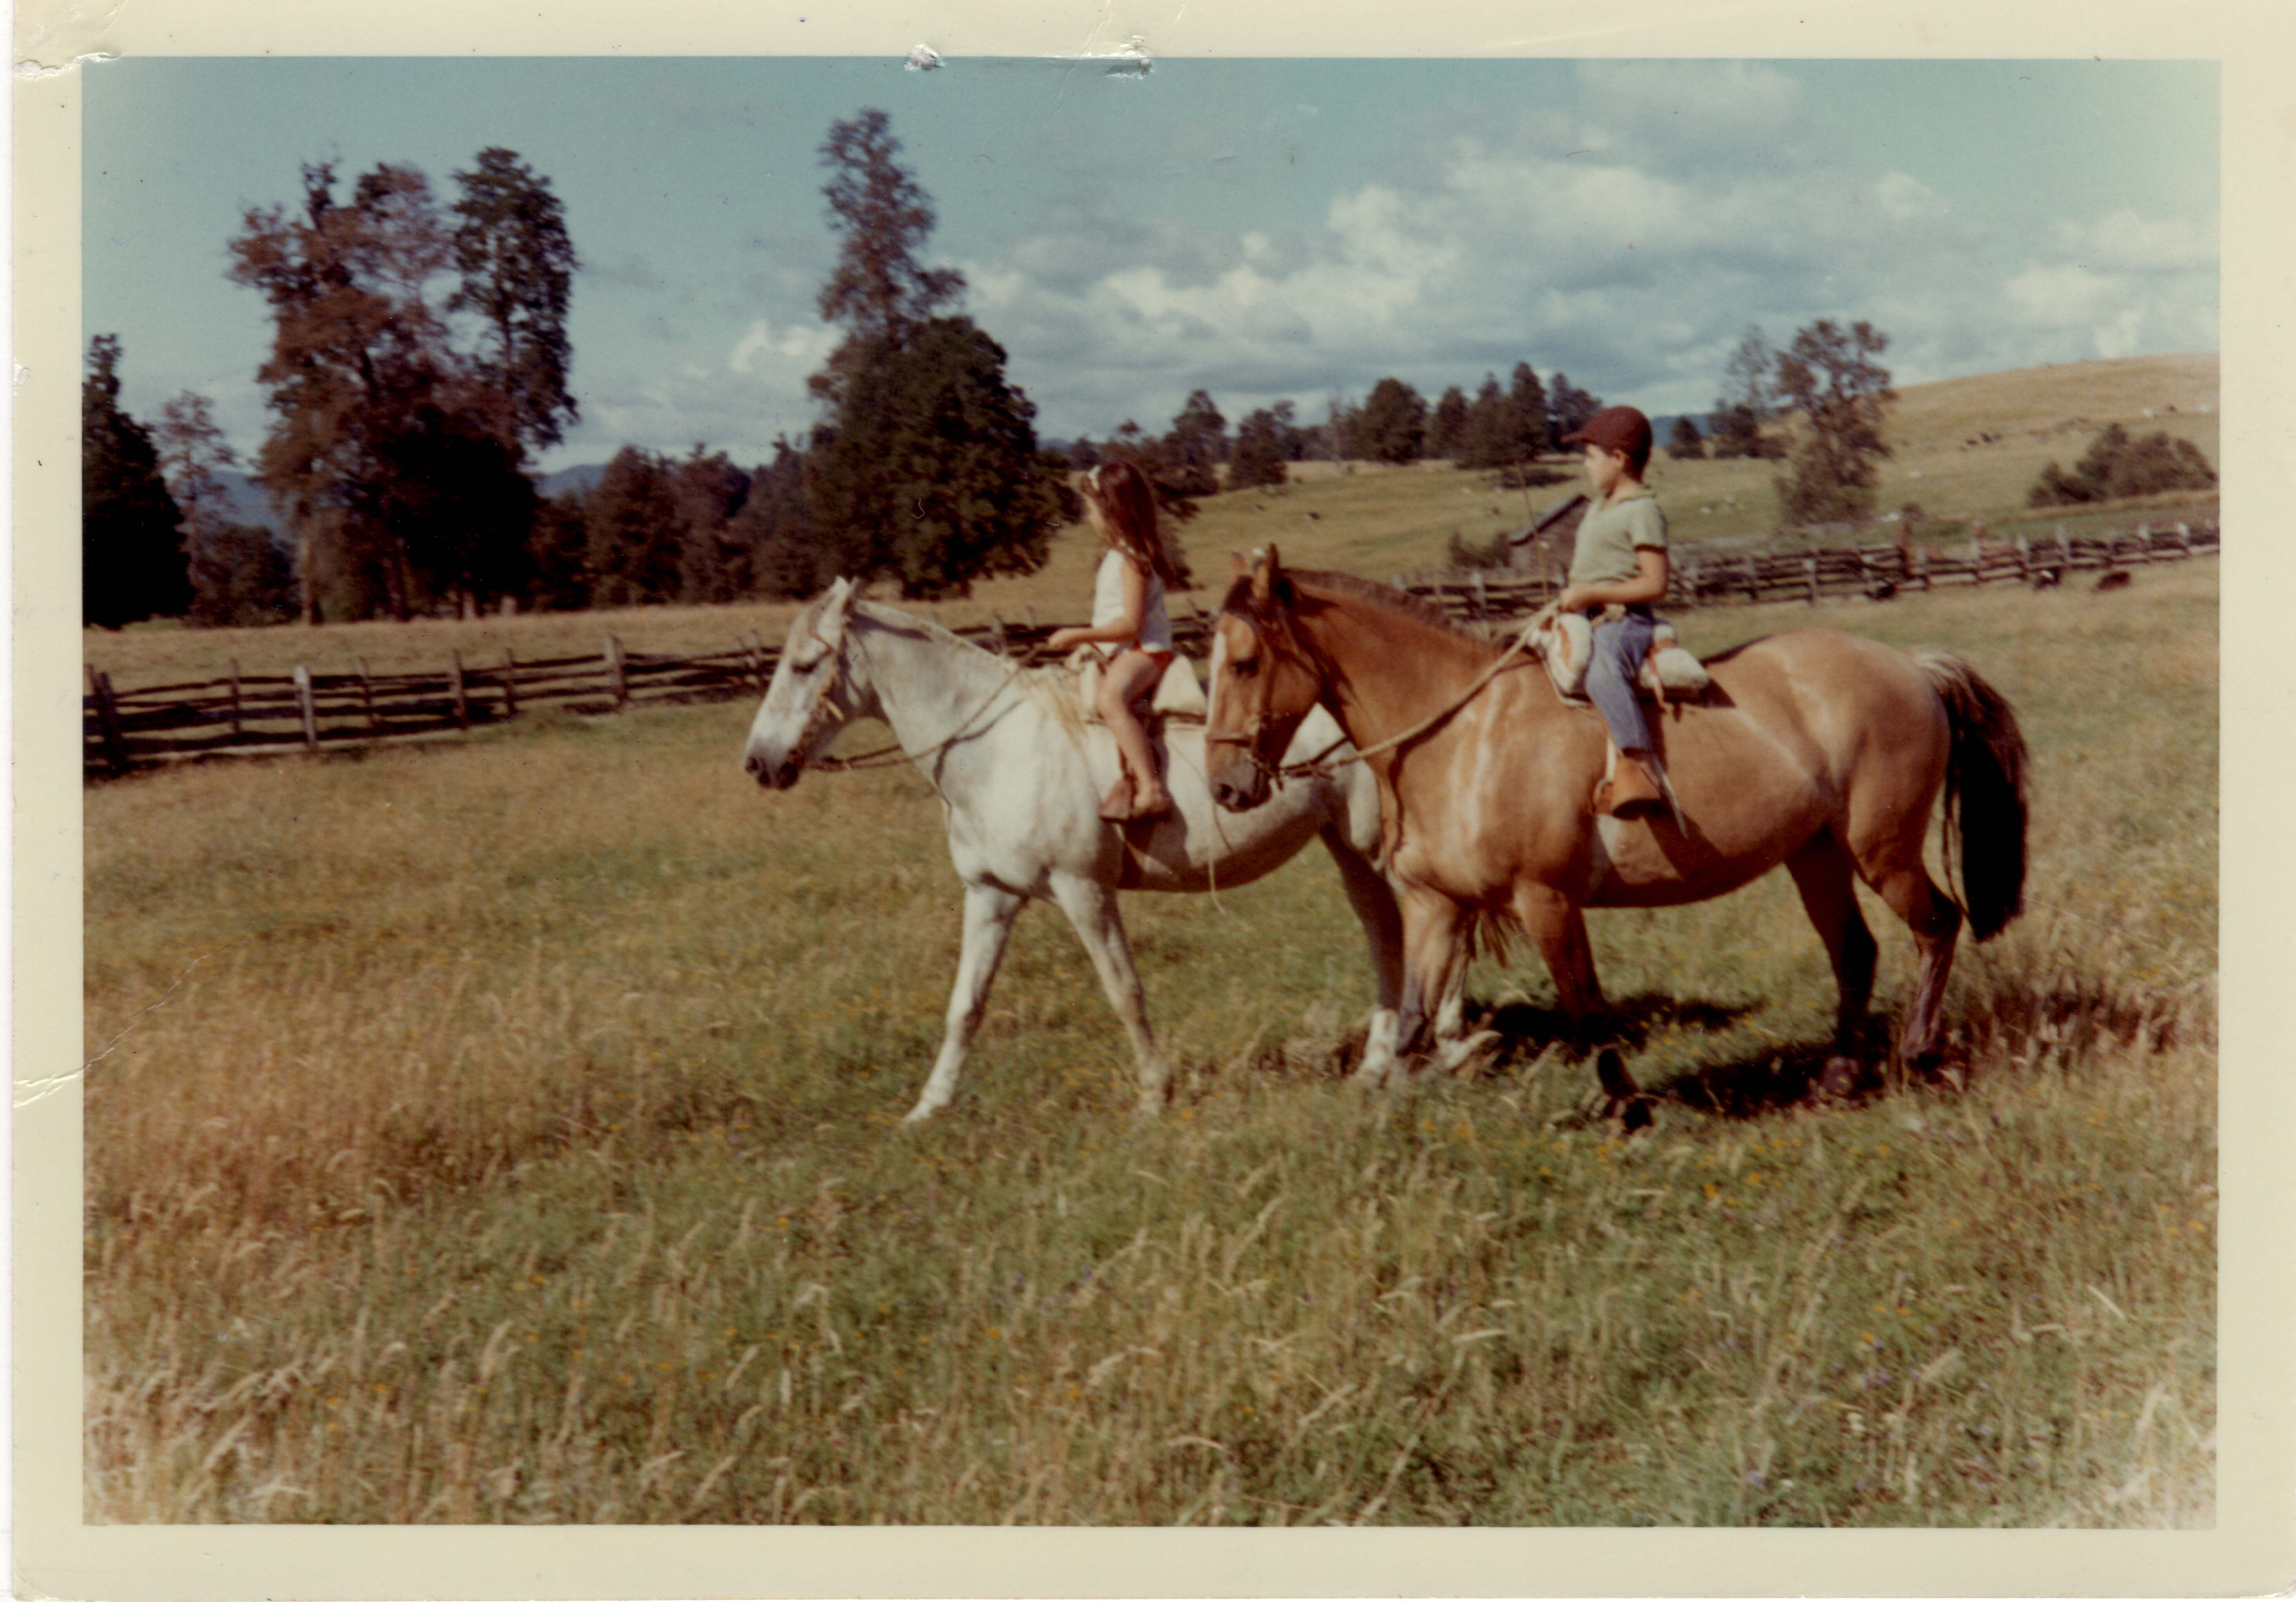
1245, 668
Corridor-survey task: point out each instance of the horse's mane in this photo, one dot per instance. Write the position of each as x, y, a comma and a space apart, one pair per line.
1385, 596
1051, 688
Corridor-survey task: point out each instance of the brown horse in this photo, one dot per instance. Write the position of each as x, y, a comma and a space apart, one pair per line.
1815, 748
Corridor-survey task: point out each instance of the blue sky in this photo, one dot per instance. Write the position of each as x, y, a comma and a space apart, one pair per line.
1258, 228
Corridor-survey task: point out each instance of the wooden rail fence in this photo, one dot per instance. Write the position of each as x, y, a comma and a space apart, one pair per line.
1702, 576
250, 713
245, 714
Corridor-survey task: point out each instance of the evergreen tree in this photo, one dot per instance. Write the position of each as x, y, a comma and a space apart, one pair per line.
931, 474
558, 554
1392, 424
1830, 377
1487, 439
516, 266
927, 468
1685, 443
1258, 462
1527, 415
133, 564
713, 563
878, 289
1568, 407
1447, 425
1195, 446
775, 526
459, 511
631, 524
1289, 436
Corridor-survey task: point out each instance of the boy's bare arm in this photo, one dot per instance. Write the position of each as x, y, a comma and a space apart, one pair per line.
1647, 586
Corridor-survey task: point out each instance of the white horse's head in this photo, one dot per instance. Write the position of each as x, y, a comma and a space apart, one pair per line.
813, 695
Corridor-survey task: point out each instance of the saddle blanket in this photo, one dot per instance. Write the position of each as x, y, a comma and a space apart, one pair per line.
1565, 642
1178, 696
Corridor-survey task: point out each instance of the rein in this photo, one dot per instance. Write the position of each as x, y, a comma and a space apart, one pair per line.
1319, 766
895, 755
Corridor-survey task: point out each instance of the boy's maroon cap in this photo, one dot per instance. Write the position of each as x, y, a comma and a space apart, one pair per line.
1615, 428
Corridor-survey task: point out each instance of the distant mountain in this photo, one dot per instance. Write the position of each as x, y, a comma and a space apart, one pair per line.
580, 479
250, 504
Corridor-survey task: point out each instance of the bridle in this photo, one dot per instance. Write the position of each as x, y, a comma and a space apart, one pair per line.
1320, 765
896, 755
1248, 737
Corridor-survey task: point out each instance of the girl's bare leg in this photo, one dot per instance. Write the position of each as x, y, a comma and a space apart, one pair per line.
1126, 678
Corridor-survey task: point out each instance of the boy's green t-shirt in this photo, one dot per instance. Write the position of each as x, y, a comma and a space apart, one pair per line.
1610, 533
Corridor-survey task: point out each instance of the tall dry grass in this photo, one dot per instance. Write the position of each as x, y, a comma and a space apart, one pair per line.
506, 1132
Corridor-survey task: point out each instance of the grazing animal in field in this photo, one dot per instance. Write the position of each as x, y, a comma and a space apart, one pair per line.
1816, 749
2118, 579
1021, 774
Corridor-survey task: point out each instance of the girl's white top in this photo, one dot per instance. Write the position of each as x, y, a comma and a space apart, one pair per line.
1108, 604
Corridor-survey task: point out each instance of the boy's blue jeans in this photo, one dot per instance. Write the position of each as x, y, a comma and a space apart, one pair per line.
1619, 649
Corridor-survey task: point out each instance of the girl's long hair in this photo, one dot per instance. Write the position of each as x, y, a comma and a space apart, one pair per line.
1126, 503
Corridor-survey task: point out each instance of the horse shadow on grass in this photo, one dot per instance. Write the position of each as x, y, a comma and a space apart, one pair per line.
1753, 1083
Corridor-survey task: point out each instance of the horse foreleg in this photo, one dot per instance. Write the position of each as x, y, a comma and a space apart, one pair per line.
1556, 925
1373, 901
989, 913
1936, 923
1091, 907
1825, 875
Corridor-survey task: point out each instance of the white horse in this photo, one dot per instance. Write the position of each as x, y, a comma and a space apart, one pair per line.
1020, 776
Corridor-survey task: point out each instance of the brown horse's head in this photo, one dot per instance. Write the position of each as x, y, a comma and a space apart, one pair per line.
1264, 680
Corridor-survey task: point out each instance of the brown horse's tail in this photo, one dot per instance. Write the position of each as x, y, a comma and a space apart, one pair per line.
1984, 792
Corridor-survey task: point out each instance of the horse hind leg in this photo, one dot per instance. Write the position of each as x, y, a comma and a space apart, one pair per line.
1936, 922
1826, 874
989, 914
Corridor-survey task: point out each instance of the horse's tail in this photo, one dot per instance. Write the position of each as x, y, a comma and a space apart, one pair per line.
1984, 792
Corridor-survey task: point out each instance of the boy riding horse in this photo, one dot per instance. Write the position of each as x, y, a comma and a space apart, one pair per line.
1620, 561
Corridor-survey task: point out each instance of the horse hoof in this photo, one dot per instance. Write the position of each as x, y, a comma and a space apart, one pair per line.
1611, 1070
1841, 1079
1635, 1116
920, 1113
1459, 1057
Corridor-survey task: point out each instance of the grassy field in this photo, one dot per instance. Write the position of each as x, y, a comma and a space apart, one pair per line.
506, 1131
1360, 519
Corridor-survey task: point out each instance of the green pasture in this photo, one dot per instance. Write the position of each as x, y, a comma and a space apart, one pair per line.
506, 1129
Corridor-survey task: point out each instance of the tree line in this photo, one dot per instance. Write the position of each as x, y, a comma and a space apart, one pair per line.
419, 362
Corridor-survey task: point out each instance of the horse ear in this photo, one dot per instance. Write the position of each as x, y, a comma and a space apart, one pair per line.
1236, 566
1264, 574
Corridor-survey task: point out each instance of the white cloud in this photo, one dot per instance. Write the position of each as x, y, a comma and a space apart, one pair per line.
2121, 241
801, 349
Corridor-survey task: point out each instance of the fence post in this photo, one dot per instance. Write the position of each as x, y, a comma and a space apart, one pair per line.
107, 718
366, 693
2065, 551
310, 712
996, 631
1922, 566
510, 682
1482, 599
2024, 559
615, 674
462, 697
2184, 537
1809, 572
234, 695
